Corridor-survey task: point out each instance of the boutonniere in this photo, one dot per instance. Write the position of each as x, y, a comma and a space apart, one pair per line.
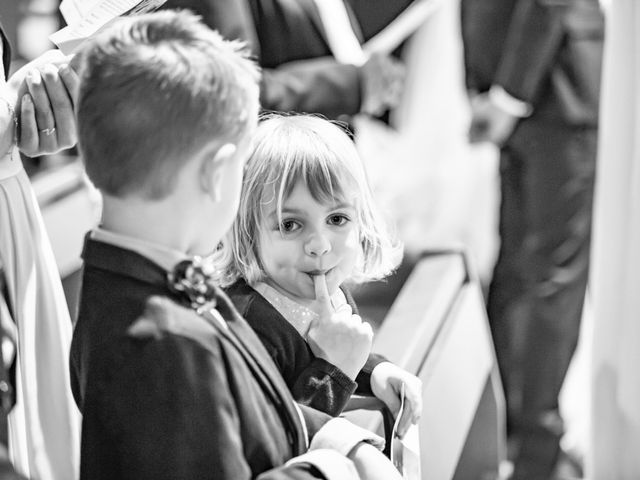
193, 279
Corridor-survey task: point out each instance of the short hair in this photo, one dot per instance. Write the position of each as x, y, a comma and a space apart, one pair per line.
291, 148
154, 90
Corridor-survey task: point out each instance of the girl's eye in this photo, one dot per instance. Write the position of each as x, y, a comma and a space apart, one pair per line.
289, 226
338, 220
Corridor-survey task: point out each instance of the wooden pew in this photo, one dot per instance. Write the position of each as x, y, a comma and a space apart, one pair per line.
437, 329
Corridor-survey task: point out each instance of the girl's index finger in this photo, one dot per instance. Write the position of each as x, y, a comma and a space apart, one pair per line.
322, 294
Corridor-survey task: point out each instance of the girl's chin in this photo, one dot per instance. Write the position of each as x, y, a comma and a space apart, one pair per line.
296, 292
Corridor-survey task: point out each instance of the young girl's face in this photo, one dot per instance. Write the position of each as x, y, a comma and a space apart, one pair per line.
312, 239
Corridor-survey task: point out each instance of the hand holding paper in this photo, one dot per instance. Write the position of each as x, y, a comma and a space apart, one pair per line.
387, 383
405, 452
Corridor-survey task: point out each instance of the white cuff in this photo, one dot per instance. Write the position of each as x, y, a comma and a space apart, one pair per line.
342, 435
333, 465
509, 104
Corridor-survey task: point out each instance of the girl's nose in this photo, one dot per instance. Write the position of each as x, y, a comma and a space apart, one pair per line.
317, 245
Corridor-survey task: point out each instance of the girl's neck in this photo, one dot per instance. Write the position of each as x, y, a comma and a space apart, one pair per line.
297, 315
309, 303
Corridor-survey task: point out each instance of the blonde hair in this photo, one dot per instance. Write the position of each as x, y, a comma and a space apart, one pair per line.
292, 148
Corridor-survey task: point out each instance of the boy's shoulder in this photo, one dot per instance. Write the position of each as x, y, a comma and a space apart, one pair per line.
163, 316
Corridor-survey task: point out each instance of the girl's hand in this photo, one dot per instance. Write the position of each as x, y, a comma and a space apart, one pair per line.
386, 384
340, 337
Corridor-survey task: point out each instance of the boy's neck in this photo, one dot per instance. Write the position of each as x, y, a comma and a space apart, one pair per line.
159, 222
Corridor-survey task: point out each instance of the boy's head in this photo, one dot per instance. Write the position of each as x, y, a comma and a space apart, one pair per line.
305, 186
156, 91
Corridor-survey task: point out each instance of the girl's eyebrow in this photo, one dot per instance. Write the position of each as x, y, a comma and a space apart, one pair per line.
342, 205
291, 210
296, 211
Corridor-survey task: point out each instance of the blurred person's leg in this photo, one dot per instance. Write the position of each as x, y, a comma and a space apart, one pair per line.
506, 303
557, 194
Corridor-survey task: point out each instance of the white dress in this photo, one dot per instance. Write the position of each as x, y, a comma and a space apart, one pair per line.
437, 189
615, 271
44, 425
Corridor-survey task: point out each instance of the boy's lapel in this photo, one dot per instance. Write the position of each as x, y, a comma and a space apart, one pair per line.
242, 336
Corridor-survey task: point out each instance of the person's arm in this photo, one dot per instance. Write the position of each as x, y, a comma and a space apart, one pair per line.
323, 386
358, 444
318, 85
364, 377
387, 383
534, 37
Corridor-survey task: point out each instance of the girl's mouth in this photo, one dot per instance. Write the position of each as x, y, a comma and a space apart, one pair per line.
315, 273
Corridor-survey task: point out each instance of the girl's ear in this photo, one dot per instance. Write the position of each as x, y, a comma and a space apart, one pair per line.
214, 168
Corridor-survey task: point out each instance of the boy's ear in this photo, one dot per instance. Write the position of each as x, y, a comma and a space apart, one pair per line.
213, 168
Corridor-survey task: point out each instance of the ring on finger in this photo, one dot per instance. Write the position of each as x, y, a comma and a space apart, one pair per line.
48, 131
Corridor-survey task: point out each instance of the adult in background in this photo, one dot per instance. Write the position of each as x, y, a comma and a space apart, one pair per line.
309, 51
535, 66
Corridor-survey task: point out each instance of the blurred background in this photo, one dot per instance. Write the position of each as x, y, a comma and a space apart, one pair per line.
439, 190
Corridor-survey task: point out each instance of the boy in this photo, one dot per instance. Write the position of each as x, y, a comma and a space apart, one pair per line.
169, 386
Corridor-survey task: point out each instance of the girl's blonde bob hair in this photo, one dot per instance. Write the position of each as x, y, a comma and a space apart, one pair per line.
293, 148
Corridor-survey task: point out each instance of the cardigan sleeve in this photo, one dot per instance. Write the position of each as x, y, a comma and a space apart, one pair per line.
313, 381
323, 386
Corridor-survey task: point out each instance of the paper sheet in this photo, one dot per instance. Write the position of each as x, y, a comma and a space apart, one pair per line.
87, 17
73, 10
405, 452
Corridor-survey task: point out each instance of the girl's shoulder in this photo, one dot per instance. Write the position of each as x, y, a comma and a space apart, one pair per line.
243, 296
255, 308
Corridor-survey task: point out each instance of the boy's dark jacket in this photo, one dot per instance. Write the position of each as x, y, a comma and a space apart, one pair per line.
313, 381
193, 401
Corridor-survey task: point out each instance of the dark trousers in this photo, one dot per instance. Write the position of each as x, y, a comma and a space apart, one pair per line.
537, 291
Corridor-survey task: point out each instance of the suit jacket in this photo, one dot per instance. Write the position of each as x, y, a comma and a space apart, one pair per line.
545, 52
313, 381
290, 44
192, 400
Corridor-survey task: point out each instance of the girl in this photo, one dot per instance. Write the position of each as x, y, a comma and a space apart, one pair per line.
306, 225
